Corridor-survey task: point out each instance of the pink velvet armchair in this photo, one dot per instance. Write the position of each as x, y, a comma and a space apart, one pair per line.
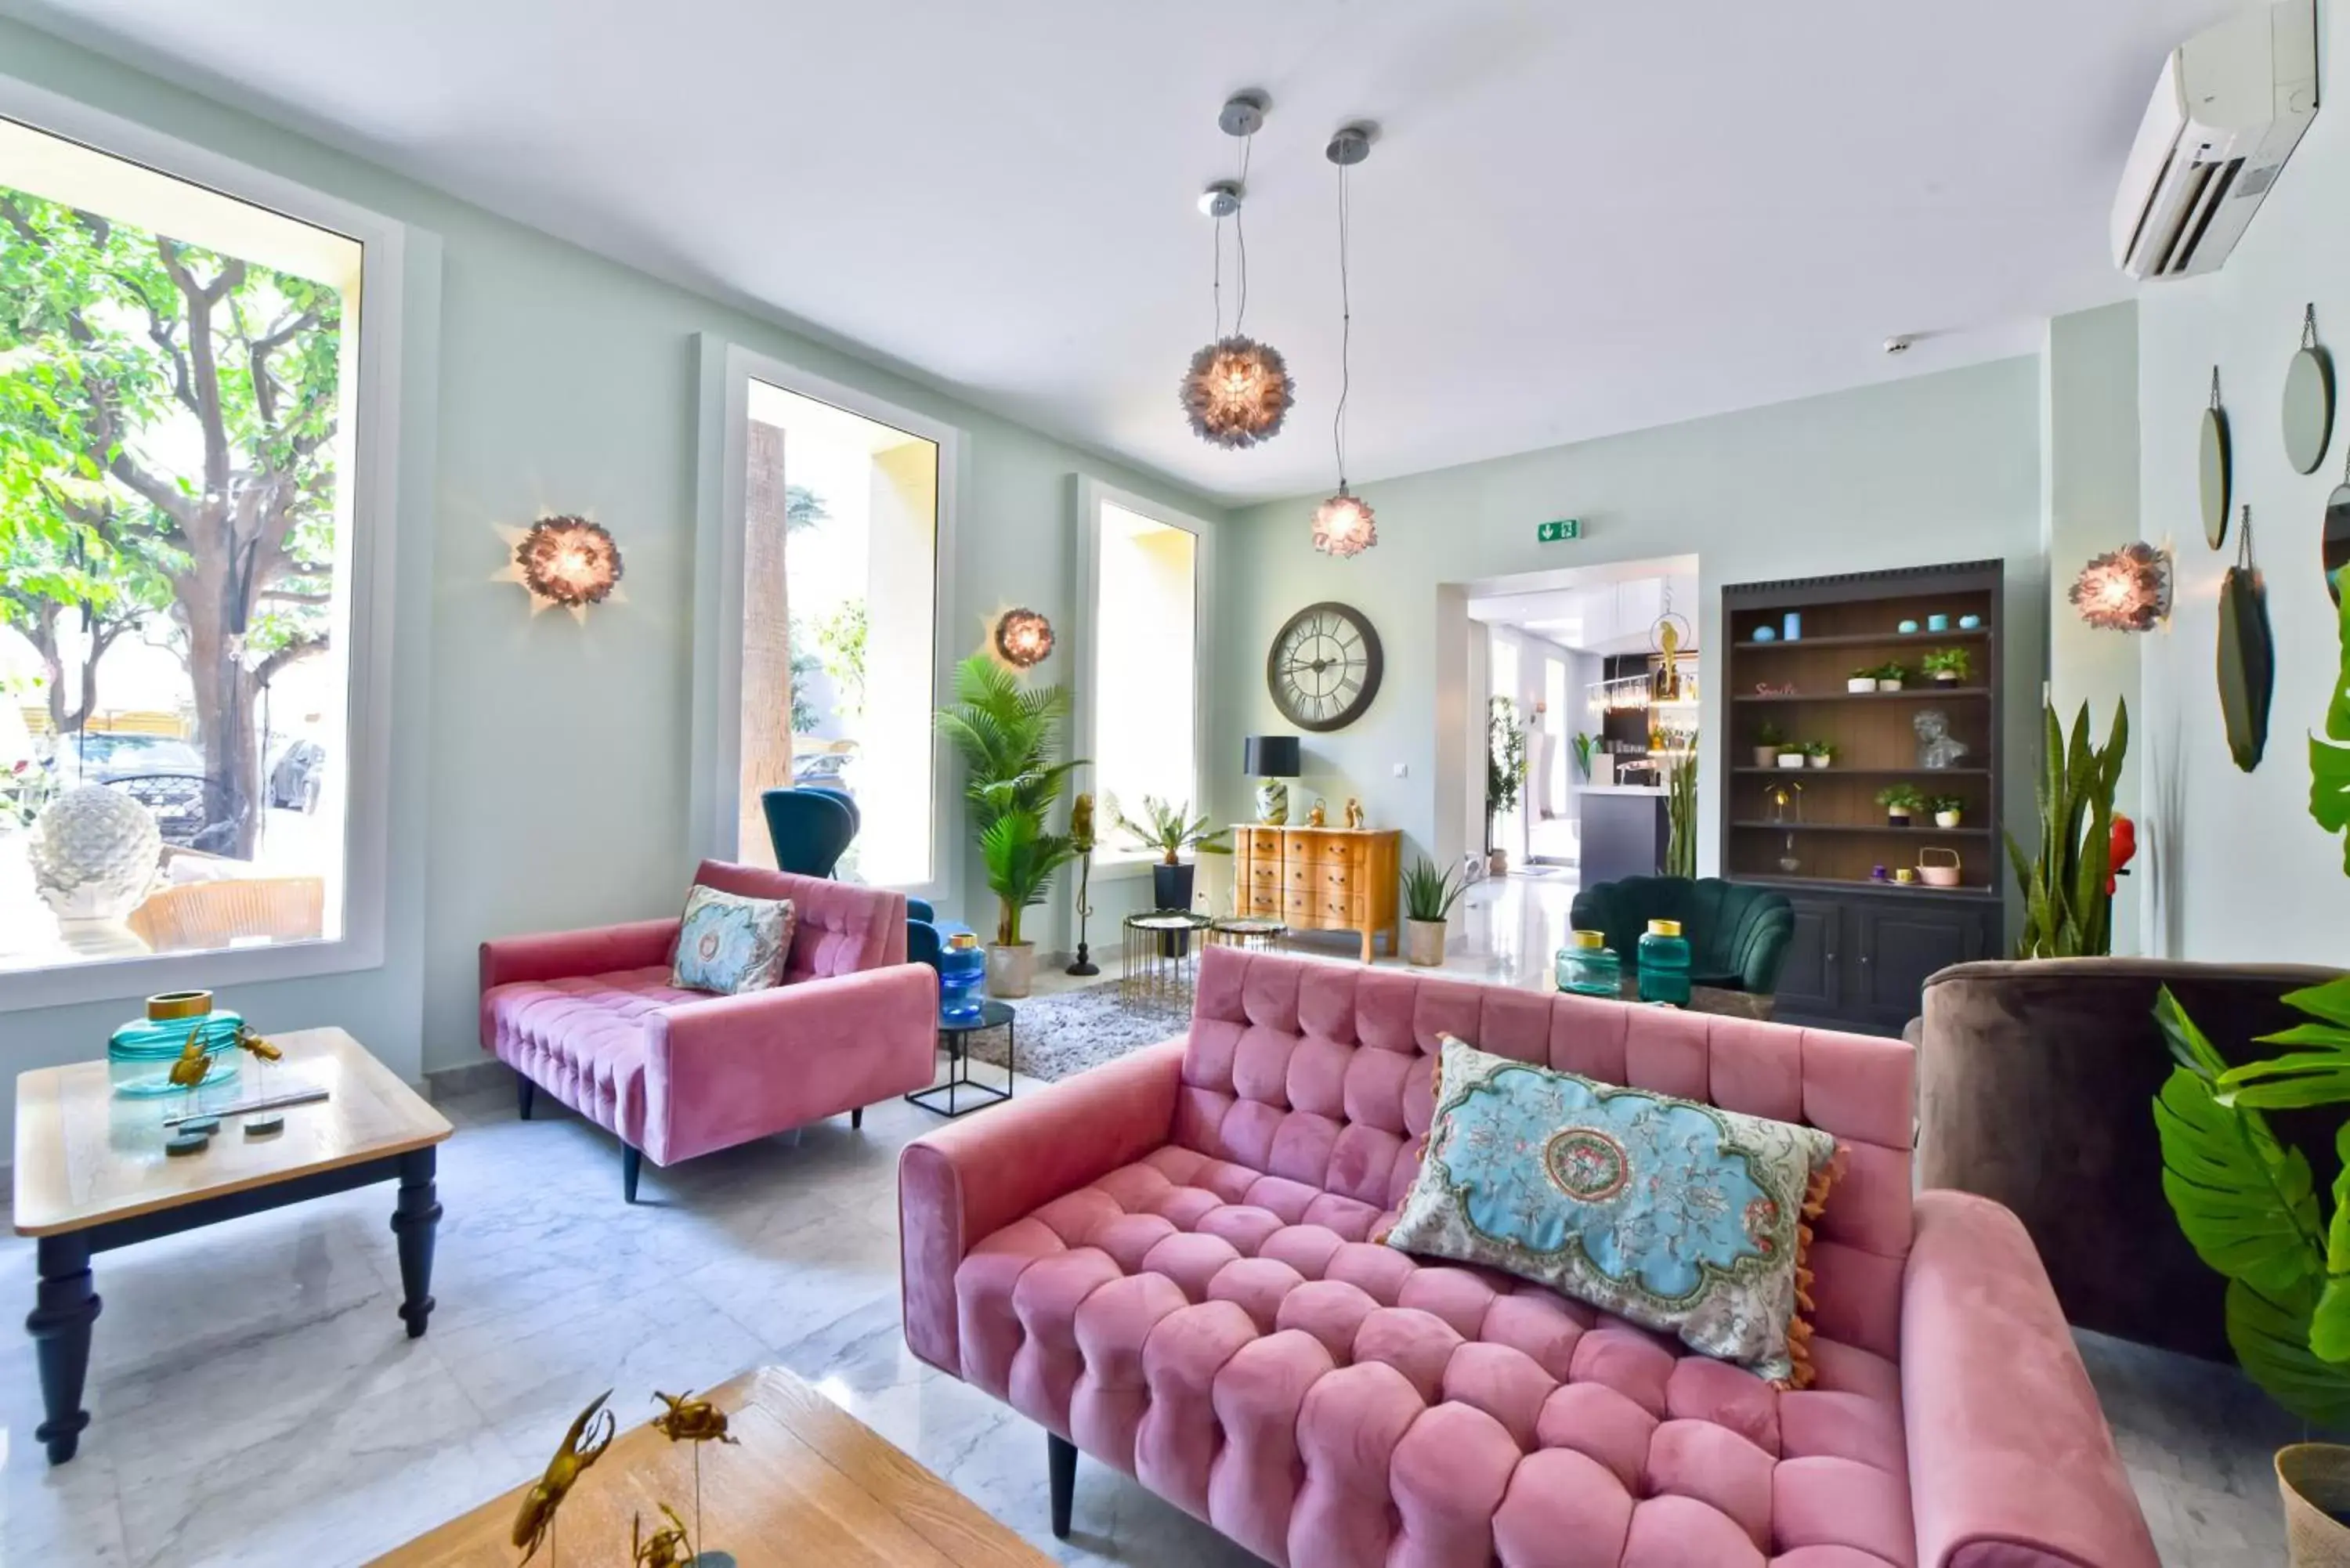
1167, 1262
590, 1017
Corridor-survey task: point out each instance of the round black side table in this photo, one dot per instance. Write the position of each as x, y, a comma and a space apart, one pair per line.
954, 1035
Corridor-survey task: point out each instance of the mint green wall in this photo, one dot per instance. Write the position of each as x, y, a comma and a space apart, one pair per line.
2236, 869
1937, 468
542, 765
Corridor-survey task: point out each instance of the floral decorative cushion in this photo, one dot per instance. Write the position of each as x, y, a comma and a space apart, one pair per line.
1676, 1215
729, 943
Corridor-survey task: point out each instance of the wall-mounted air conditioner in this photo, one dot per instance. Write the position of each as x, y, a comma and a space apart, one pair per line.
2231, 107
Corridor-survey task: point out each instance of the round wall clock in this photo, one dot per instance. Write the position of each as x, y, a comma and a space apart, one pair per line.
1324, 666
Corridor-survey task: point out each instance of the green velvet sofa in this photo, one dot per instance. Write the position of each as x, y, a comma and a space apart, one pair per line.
1738, 935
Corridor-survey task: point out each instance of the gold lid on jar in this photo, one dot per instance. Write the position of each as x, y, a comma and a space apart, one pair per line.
1587, 940
169, 1004
962, 941
1664, 927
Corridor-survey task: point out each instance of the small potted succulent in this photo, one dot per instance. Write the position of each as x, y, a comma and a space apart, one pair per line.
1901, 801
1428, 894
1948, 665
1892, 677
1862, 680
1768, 739
1949, 810
1819, 754
1792, 754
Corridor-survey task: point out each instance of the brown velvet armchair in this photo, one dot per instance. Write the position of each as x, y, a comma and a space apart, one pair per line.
2036, 1083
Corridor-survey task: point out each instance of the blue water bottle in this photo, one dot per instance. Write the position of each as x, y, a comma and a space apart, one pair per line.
962, 967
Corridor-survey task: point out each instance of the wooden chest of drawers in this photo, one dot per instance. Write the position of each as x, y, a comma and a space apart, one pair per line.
1322, 878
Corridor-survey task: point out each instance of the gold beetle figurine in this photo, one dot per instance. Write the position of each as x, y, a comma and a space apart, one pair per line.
255, 1046
583, 1445
192, 1066
690, 1420
665, 1548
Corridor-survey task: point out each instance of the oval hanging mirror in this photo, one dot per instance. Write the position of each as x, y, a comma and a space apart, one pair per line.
2308, 400
2215, 468
2334, 545
2247, 656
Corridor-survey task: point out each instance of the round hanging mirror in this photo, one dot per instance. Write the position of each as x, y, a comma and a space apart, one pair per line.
2334, 545
2308, 400
2215, 468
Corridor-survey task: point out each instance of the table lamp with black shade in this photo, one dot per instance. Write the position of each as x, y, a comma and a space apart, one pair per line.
1270, 759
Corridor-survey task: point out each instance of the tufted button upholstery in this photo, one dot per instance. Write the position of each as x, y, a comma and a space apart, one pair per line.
1214, 1317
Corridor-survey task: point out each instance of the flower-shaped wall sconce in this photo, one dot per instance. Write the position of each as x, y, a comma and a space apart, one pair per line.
565, 561
2126, 589
1023, 638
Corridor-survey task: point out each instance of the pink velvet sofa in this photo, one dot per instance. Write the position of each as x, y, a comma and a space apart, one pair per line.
1167, 1262
590, 1017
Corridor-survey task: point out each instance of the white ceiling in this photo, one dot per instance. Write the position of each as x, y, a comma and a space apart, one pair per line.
1579, 219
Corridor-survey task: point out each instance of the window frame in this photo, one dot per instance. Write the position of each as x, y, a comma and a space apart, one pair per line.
1121, 863
384, 280
727, 370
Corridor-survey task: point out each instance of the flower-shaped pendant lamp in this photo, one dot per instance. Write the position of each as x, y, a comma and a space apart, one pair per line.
1236, 391
1345, 525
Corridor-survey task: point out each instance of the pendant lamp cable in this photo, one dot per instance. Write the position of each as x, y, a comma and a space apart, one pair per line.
1346, 339
1240, 234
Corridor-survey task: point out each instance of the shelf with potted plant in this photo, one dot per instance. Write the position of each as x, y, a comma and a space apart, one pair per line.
1876, 828
1908, 692
1862, 639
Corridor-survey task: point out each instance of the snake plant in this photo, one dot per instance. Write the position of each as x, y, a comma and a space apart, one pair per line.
2068, 902
1680, 817
2246, 1200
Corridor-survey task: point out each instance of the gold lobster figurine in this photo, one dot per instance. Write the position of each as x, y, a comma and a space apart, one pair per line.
665, 1548
689, 1419
254, 1045
583, 1445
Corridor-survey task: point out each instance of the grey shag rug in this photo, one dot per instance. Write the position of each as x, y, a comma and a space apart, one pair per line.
1062, 1036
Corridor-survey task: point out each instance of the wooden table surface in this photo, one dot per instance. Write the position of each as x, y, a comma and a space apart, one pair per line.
806, 1486
85, 1157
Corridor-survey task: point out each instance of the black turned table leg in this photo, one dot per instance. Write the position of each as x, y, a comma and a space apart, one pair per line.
1061, 1468
63, 1312
413, 1220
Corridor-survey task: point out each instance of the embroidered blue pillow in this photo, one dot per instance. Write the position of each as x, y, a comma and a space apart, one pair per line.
1672, 1214
729, 943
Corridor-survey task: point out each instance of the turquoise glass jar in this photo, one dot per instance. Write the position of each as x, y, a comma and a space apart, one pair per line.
139, 1055
962, 967
1665, 964
1588, 967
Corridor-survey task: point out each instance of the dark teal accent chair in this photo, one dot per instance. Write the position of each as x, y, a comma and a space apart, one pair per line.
811, 829
1738, 935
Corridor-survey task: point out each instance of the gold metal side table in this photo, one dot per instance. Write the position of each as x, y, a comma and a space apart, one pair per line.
1162, 958
1253, 933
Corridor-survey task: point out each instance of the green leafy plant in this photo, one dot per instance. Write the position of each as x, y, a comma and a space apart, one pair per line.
1005, 732
1505, 761
1819, 749
2246, 1200
2068, 902
1168, 828
1429, 892
1681, 815
1583, 753
1952, 661
1950, 803
1901, 799
1769, 734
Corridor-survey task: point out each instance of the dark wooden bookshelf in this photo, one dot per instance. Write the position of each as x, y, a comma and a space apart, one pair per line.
1864, 947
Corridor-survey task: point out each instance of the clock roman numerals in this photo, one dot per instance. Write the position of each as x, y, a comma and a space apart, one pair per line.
1323, 666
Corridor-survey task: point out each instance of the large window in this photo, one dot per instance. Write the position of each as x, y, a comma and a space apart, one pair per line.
829, 535
181, 569
1139, 719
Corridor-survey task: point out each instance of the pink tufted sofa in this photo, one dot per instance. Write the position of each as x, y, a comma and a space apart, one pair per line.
1167, 1262
590, 1017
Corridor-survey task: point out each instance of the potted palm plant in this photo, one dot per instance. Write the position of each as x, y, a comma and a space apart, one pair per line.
1948, 665
1006, 733
1428, 894
1901, 801
1171, 830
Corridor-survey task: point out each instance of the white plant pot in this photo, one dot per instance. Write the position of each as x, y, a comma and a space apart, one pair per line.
1766, 756
1791, 759
1946, 819
1861, 683
1423, 943
1819, 762
1888, 686
1011, 967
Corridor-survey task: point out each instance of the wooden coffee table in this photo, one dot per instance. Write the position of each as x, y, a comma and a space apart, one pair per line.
806, 1485
91, 1175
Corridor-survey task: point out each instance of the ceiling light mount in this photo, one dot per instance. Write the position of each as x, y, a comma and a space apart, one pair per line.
1221, 199
1351, 144
1243, 113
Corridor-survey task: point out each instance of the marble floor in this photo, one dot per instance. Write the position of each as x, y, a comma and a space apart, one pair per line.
256, 1403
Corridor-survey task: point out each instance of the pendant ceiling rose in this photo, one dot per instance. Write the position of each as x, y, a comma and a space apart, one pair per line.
1236, 391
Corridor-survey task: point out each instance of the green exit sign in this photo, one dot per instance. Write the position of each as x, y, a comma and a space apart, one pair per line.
1557, 530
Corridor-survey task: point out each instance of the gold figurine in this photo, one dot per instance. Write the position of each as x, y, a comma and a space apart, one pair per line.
689, 1419
193, 1065
254, 1045
583, 1445
665, 1548
1353, 813
1319, 816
